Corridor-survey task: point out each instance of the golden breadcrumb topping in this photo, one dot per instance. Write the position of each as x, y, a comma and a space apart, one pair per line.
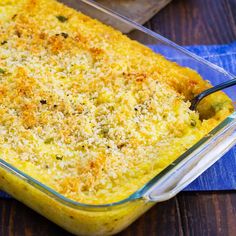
87, 111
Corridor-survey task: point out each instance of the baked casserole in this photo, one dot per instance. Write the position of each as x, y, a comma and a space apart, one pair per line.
89, 112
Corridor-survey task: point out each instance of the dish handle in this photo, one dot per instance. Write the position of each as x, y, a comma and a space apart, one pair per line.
194, 165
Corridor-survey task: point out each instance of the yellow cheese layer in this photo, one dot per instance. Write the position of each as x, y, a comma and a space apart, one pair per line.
87, 111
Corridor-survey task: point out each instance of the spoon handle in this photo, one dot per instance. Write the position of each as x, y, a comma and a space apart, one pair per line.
209, 91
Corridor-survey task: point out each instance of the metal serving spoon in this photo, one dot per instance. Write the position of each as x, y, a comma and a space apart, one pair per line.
195, 101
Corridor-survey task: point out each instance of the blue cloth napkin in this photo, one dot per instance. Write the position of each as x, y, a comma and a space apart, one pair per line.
222, 175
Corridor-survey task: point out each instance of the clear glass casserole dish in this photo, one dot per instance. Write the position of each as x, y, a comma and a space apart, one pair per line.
84, 219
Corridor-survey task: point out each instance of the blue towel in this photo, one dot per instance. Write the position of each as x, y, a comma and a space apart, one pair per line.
222, 175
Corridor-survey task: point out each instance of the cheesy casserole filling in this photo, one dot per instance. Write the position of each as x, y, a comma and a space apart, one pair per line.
87, 111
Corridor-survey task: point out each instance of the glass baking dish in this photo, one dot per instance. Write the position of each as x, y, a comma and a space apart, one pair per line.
107, 219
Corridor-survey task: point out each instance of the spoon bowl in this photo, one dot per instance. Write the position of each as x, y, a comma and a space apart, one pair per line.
195, 101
